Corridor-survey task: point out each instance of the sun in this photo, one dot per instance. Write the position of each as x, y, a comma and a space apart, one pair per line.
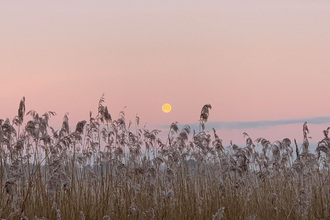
166, 108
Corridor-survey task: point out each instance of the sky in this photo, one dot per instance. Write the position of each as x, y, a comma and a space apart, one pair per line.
262, 65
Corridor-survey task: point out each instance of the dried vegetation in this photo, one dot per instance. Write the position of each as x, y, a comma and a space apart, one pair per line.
109, 169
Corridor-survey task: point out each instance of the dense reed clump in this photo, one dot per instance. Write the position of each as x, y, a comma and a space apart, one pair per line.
106, 169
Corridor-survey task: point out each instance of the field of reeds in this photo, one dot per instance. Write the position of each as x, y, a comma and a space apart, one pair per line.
109, 168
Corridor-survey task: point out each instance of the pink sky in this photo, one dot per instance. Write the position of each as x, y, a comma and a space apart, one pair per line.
251, 60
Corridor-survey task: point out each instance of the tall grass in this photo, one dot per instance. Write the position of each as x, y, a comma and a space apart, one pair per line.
111, 169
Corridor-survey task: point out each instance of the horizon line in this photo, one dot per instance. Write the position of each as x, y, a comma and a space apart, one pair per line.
260, 124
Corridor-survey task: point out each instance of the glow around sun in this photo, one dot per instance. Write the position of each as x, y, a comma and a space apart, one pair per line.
166, 108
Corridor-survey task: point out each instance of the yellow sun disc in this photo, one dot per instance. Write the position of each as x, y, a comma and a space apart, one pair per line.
166, 108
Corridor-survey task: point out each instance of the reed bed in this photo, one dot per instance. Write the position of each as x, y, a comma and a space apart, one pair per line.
111, 169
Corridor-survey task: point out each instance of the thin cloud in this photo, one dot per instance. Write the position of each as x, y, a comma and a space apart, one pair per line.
255, 124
